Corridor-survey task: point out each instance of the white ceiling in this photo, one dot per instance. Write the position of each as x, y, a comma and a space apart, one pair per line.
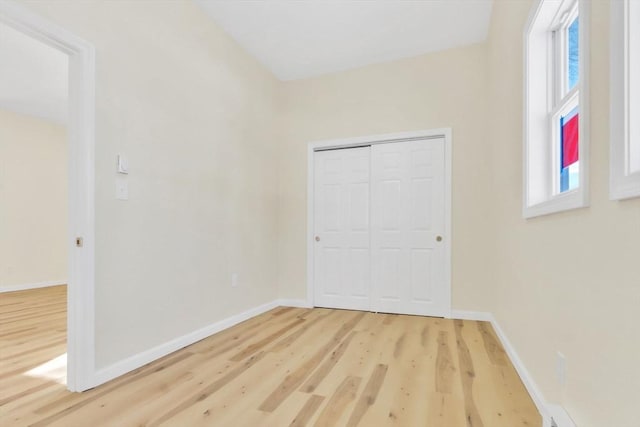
304, 38
33, 76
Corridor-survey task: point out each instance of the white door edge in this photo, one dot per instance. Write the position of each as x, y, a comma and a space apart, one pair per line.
314, 146
81, 136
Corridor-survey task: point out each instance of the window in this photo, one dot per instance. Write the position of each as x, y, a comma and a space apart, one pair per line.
624, 174
555, 139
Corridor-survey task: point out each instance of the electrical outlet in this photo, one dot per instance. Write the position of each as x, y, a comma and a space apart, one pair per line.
234, 280
561, 368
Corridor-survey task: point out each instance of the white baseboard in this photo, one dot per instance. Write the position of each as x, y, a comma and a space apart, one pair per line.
560, 416
525, 376
108, 373
27, 286
471, 315
300, 303
546, 410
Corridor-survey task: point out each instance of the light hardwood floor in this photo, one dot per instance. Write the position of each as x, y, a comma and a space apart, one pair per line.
287, 367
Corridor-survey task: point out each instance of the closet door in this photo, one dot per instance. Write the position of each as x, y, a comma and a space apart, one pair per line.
407, 226
342, 259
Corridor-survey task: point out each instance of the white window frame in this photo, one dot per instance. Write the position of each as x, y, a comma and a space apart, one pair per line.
545, 99
624, 180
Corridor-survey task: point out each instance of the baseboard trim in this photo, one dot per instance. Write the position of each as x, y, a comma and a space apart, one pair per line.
560, 416
525, 376
547, 411
129, 364
471, 315
117, 369
299, 303
28, 286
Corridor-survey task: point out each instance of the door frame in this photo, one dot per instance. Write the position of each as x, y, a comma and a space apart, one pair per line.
81, 155
360, 141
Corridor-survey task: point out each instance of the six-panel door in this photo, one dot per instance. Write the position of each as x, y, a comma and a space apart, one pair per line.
407, 227
379, 228
342, 230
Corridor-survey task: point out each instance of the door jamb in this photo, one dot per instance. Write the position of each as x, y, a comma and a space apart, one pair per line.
81, 137
314, 146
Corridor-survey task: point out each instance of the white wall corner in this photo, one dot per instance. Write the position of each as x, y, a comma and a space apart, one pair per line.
122, 367
27, 286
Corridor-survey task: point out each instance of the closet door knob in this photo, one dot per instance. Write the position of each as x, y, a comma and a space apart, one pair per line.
439, 239
317, 238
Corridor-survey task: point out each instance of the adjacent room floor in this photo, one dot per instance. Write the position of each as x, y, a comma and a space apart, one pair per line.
287, 367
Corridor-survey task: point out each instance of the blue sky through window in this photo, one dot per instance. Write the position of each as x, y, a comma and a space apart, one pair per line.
573, 52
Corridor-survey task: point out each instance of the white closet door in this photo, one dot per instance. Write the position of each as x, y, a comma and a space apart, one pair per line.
407, 220
342, 259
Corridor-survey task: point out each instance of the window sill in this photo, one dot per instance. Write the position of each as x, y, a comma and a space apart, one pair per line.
564, 202
624, 187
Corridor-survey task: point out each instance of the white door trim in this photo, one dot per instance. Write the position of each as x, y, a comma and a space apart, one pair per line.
371, 140
81, 131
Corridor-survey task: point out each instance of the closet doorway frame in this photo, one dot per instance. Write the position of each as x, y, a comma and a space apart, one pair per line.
363, 141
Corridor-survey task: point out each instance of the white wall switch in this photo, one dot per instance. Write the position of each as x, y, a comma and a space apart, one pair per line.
123, 164
122, 189
234, 280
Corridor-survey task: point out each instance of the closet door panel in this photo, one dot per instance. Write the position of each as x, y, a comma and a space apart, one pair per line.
407, 218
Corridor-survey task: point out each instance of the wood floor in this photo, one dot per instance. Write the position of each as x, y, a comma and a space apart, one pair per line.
287, 367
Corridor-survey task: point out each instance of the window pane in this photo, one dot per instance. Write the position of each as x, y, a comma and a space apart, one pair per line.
574, 54
569, 151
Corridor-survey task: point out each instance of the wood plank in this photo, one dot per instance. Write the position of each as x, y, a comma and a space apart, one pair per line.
307, 411
324, 369
494, 348
209, 390
293, 381
424, 335
311, 320
446, 410
467, 376
445, 369
344, 395
253, 348
397, 350
369, 395
363, 369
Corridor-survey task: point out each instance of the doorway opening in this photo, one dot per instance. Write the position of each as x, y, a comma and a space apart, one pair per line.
34, 209
22, 28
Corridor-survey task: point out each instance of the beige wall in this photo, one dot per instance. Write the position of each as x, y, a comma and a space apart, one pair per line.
195, 115
570, 281
446, 89
217, 151
33, 201
566, 282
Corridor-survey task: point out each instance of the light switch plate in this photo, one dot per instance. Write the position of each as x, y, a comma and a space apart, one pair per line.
122, 189
123, 164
